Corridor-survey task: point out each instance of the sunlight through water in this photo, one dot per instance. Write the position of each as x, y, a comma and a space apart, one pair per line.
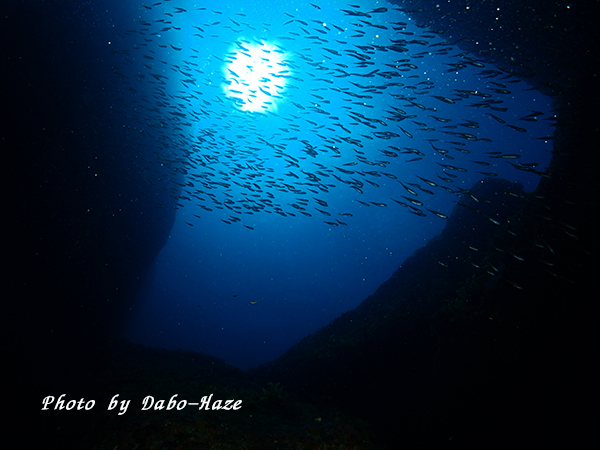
255, 76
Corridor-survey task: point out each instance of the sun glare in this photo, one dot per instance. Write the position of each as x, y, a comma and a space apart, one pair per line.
255, 76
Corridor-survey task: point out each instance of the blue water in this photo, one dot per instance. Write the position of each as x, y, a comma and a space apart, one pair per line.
254, 261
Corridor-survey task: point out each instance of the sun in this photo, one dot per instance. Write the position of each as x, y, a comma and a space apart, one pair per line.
255, 76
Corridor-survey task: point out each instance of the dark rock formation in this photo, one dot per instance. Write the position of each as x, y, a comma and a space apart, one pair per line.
84, 225
493, 345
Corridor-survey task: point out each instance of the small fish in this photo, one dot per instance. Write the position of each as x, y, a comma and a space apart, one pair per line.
444, 99
439, 214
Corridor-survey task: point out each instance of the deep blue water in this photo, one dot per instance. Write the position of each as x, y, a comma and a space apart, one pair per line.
289, 216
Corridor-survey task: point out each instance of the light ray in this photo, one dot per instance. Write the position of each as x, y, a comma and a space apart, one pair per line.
255, 76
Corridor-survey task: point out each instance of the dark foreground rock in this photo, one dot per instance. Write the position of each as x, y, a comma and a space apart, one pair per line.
260, 417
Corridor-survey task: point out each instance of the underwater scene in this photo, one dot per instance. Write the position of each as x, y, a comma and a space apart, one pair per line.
312, 150
301, 225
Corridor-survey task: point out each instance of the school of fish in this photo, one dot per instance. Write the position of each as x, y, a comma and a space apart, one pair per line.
246, 117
